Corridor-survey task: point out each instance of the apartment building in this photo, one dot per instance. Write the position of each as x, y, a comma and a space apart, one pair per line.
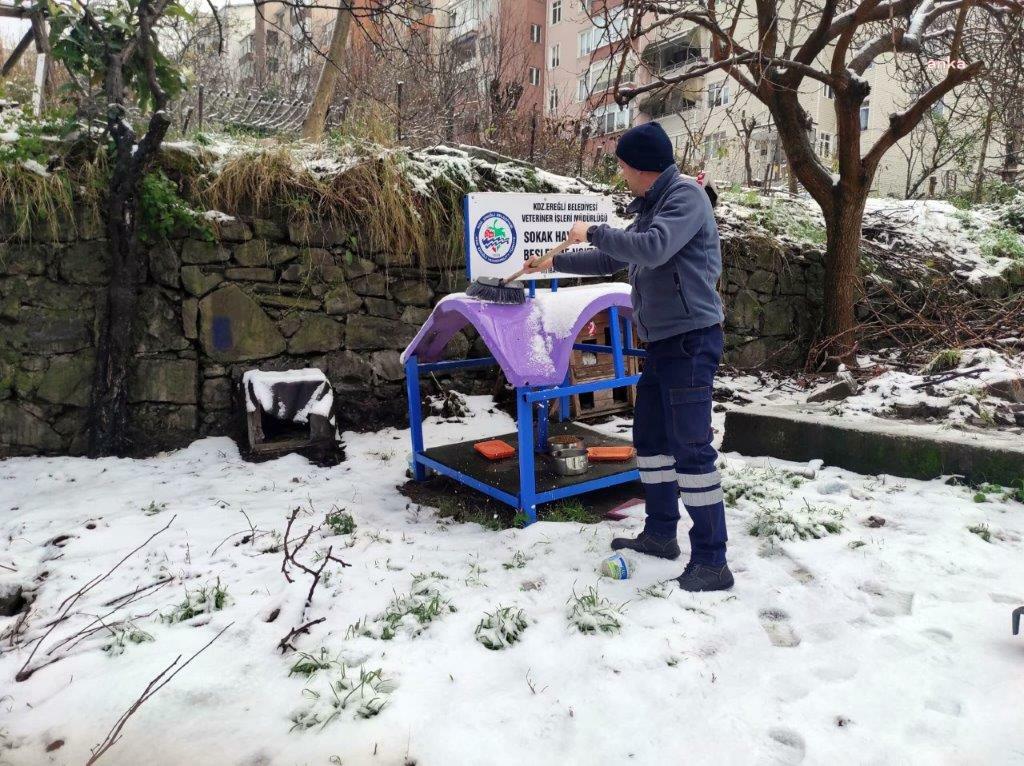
715, 124
499, 43
561, 58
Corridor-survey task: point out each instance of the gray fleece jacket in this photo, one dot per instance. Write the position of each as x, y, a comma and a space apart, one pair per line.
673, 255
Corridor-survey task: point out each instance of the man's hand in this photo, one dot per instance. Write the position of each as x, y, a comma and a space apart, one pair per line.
532, 266
578, 232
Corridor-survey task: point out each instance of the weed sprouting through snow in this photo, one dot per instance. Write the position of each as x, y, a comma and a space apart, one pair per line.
518, 561
809, 522
501, 628
411, 612
654, 590
154, 508
592, 613
758, 485
204, 600
339, 522
982, 531
335, 688
308, 664
123, 636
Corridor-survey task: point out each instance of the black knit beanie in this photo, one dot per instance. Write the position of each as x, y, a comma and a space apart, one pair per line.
646, 147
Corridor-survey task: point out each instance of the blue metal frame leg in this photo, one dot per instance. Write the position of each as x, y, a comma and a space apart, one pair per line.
412, 390
527, 480
564, 403
542, 427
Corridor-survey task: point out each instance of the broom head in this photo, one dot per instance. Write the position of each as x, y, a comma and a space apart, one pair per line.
494, 290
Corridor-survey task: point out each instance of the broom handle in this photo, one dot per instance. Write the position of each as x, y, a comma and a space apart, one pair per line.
548, 256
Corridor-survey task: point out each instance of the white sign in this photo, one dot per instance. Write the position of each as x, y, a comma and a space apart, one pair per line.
503, 230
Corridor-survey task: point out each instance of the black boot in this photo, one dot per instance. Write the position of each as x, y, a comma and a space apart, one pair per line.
645, 542
697, 578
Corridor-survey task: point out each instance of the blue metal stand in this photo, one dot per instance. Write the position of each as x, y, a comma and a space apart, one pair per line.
528, 400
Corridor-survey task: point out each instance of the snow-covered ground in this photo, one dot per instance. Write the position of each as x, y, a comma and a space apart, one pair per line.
991, 396
860, 644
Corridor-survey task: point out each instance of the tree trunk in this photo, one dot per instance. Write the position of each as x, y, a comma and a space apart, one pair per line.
980, 178
313, 125
108, 433
842, 261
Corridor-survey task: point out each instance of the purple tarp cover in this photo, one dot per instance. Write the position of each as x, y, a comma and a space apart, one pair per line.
531, 342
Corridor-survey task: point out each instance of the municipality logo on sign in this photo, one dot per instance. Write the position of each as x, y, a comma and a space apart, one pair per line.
495, 237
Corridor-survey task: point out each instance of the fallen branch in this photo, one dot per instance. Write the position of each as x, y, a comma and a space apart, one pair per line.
946, 377
286, 643
291, 550
151, 688
64, 611
137, 591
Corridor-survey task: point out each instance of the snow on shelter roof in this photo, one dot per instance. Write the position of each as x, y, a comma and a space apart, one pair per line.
532, 342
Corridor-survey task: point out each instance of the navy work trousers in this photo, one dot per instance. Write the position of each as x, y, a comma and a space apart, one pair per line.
672, 435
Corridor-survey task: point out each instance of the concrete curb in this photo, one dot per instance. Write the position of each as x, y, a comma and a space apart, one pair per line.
874, 446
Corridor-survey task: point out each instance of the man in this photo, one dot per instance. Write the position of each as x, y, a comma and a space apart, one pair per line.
674, 259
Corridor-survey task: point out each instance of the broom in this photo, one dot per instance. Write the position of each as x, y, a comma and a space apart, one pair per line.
498, 289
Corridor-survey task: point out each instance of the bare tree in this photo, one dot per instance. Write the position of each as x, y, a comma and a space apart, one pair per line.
945, 138
316, 117
773, 48
118, 44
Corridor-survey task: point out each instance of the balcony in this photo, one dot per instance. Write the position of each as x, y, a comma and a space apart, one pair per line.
669, 57
684, 99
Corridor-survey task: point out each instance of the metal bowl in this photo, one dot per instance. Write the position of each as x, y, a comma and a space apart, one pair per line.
570, 462
565, 441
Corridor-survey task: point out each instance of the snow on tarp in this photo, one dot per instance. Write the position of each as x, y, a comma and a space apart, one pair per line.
291, 395
532, 342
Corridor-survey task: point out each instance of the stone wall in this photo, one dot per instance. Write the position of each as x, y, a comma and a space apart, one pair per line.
261, 295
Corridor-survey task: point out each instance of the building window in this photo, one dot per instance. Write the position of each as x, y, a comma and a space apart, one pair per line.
555, 56
556, 11
585, 42
714, 146
583, 87
718, 94
553, 99
604, 32
865, 114
829, 93
534, 76
611, 119
535, 33
824, 145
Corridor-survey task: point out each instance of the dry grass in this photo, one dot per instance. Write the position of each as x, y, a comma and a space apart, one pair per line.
372, 201
41, 205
